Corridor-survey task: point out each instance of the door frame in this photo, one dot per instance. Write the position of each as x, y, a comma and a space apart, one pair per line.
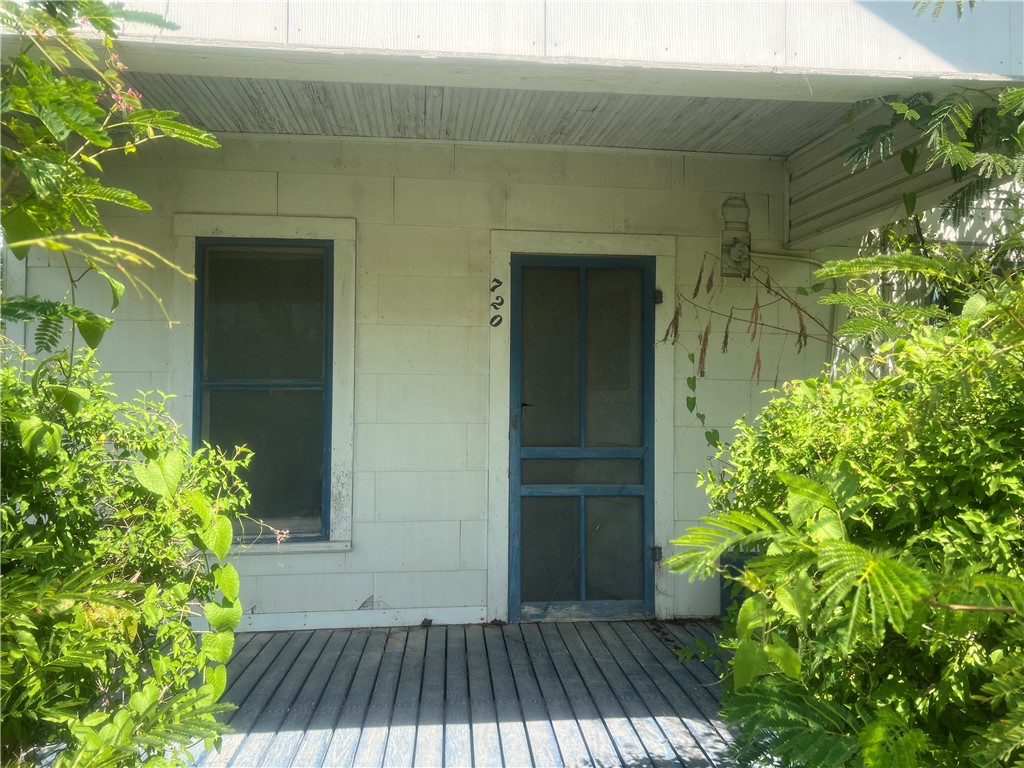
504, 244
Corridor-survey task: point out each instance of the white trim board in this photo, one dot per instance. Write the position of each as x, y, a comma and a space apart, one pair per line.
187, 227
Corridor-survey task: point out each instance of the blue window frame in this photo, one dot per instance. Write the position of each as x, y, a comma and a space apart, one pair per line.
263, 372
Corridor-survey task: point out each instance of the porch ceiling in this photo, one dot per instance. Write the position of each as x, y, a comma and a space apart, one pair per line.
452, 113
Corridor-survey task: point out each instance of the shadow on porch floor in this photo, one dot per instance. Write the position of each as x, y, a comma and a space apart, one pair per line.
603, 693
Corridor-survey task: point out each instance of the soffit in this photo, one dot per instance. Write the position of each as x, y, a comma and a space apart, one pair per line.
507, 115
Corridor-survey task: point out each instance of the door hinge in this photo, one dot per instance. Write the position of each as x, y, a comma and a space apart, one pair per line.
656, 554
659, 297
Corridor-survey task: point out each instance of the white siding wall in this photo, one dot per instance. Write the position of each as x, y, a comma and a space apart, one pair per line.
424, 216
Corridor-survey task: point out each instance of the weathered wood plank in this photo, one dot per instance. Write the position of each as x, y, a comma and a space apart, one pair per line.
539, 730
599, 742
640, 716
678, 637
253, 661
642, 677
701, 639
627, 742
374, 736
515, 748
264, 729
401, 743
697, 691
345, 739
430, 724
288, 738
484, 726
571, 742
320, 730
240, 662
458, 741
259, 697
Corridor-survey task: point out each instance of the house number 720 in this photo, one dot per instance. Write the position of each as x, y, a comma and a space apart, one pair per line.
497, 303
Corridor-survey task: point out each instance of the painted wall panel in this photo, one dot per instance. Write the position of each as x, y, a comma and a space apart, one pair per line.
414, 250
404, 496
606, 169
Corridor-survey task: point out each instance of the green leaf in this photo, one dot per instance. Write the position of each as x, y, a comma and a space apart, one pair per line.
116, 287
808, 489
867, 588
219, 645
199, 504
161, 475
713, 438
749, 663
94, 718
216, 536
797, 597
909, 202
909, 159
223, 618
227, 580
217, 679
691, 403
784, 657
691, 383
91, 326
40, 437
19, 227
751, 615
975, 307
68, 398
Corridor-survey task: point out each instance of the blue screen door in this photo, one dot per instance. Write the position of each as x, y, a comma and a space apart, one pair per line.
581, 426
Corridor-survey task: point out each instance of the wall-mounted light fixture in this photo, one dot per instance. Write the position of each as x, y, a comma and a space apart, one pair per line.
736, 237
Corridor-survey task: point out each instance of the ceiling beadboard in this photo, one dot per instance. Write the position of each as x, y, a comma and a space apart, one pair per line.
633, 121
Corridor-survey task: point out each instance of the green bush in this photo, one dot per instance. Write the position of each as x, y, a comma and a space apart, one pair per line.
883, 623
112, 534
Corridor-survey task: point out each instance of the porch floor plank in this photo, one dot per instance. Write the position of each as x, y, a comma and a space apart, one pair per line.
654, 741
674, 713
246, 717
458, 742
539, 730
704, 694
286, 741
572, 694
486, 743
345, 739
627, 742
595, 734
317, 738
430, 727
401, 737
373, 736
515, 748
268, 723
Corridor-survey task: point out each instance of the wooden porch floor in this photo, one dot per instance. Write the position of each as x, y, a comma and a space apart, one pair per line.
603, 693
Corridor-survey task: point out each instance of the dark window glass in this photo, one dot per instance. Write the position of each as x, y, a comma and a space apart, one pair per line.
551, 354
614, 397
615, 568
263, 362
551, 547
582, 472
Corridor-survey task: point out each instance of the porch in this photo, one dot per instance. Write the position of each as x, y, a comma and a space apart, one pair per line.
602, 693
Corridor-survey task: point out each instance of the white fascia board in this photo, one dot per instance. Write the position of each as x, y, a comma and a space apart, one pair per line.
198, 58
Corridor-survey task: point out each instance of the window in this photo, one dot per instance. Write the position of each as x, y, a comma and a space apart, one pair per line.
263, 372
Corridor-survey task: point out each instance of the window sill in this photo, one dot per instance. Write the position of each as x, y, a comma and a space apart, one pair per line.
292, 547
